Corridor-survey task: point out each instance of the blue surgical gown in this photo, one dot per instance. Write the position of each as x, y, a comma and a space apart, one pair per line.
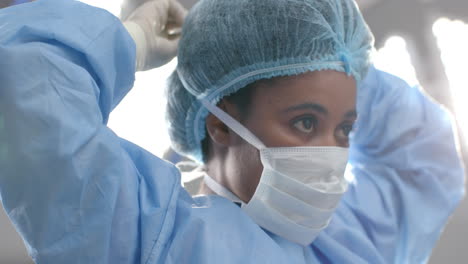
77, 193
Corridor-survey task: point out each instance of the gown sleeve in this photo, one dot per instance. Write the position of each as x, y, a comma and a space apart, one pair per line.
406, 174
74, 190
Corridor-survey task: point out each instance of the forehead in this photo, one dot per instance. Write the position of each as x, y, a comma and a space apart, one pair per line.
330, 88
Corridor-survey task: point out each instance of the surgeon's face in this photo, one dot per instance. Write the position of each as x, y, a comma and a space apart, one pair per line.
312, 109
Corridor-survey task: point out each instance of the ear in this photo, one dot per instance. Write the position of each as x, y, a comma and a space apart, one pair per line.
219, 133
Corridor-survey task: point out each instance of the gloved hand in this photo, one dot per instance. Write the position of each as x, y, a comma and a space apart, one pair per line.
155, 28
128, 6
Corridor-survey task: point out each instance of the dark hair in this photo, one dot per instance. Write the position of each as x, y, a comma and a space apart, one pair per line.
242, 99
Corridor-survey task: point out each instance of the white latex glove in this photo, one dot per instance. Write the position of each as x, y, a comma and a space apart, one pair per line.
155, 28
128, 6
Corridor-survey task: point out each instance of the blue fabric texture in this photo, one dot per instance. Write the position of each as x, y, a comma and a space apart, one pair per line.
227, 45
77, 193
17, 2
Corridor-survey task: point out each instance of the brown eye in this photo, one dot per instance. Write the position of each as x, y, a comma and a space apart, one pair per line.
347, 129
343, 133
305, 124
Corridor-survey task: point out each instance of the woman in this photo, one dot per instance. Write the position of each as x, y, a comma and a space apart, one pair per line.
280, 79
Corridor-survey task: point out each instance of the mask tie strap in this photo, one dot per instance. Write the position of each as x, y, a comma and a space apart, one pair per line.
233, 124
220, 190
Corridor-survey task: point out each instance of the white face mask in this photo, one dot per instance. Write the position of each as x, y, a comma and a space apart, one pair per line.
299, 189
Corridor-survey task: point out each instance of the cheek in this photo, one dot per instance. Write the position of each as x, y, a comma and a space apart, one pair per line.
275, 132
249, 170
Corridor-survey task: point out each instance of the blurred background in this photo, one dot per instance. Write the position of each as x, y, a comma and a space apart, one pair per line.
425, 42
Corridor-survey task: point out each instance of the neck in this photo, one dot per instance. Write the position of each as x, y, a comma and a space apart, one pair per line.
216, 170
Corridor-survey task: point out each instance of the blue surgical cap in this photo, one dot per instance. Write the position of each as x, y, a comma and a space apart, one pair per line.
228, 44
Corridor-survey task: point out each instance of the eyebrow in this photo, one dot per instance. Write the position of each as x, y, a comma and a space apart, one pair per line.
308, 106
351, 114
319, 108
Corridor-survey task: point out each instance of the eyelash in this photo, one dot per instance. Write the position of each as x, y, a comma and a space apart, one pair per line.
301, 119
349, 126
345, 128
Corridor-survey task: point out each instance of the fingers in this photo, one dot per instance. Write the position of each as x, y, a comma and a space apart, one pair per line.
164, 52
128, 6
168, 47
177, 13
160, 21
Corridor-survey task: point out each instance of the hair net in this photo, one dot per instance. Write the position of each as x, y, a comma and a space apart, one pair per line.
228, 44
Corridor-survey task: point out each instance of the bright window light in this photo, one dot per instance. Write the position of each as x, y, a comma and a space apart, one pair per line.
452, 38
112, 6
395, 59
140, 117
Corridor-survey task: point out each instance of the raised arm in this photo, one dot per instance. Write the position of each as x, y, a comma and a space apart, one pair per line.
68, 183
408, 177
